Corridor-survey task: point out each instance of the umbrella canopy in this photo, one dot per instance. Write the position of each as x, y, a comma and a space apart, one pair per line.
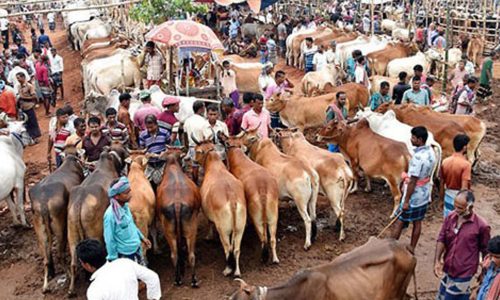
185, 34
255, 5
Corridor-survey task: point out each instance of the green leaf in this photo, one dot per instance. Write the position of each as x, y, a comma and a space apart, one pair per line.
159, 11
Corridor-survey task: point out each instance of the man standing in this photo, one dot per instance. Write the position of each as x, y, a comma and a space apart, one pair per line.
455, 173
490, 283
26, 101
416, 95
463, 238
337, 111
4, 30
319, 59
466, 98
7, 101
116, 130
380, 97
193, 127
155, 140
486, 77
257, 117
228, 83
121, 235
58, 136
51, 18
76, 138
400, 88
360, 74
155, 63
331, 57
248, 102
227, 107
43, 38
56, 69
167, 119
95, 141
272, 49
124, 117
42, 76
118, 279
282, 35
417, 189
309, 55
146, 109
212, 128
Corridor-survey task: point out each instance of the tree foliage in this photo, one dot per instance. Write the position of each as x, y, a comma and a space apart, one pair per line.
159, 11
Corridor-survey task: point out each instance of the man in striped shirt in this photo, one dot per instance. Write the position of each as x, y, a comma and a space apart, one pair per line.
58, 136
116, 130
154, 139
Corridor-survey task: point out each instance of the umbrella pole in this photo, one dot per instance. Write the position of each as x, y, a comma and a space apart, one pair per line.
170, 70
187, 77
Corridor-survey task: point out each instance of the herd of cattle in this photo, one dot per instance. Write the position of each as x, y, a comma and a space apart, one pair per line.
68, 207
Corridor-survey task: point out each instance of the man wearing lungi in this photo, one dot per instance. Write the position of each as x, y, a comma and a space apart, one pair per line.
455, 173
463, 237
417, 187
56, 69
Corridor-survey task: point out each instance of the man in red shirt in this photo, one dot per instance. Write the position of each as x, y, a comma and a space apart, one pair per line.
233, 126
463, 238
7, 101
248, 102
167, 119
42, 76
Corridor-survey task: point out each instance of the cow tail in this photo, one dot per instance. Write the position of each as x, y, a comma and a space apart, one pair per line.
234, 210
178, 210
265, 226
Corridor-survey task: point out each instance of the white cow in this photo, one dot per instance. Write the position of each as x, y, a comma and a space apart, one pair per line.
401, 34
344, 50
318, 79
389, 126
406, 64
12, 143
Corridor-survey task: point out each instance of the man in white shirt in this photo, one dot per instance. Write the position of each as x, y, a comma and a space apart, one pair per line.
360, 74
193, 128
212, 128
228, 83
116, 280
331, 56
319, 59
51, 18
4, 30
57, 68
11, 77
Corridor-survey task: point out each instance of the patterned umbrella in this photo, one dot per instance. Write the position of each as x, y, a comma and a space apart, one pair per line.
184, 34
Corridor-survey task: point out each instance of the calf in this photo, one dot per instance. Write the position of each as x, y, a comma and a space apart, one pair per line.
223, 201
49, 202
178, 206
377, 156
142, 201
379, 269
261, 193
296, 179
335, 176
88, 202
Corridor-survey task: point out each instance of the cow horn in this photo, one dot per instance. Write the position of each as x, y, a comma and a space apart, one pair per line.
256, 127
194, 139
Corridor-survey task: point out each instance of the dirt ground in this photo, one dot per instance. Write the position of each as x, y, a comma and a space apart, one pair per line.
366, 215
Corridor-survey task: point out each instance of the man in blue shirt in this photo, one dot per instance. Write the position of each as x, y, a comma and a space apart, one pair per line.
309, 55
417, 186
490, 284
123, 238
43, 38
154, 140
416, 95
351, 64
380, 97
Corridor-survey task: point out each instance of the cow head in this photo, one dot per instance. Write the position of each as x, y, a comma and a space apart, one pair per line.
95, 102
202, 149
332, 131
249, 137
117, 155
248, 292
285, 137
277, 102
384, 107
173, 154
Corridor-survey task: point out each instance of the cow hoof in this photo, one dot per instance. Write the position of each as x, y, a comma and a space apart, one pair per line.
307, 247
276, 261
194, 283
178, 283
368, 190
71, 294
46, 290
227, 271
237, 275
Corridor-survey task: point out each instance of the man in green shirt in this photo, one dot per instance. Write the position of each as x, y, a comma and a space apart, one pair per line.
484, 90
337, 111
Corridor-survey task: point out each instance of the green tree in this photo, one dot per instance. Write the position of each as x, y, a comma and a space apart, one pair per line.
159, 11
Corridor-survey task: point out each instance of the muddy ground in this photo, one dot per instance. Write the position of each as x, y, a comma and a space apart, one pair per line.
366, 214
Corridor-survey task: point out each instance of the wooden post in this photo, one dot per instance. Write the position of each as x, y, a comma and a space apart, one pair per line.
372, 12
356, 12
445, 73
484, 26
171, 71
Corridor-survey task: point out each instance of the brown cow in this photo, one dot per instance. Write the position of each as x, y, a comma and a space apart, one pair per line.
88, 202
89, 42
104, 51
337, 37
475, 49
296, 179
142, 201
335, 176
223, 202
261, 192
178, 207
379, 269
473, 127
304, 112
444, 130
377, 156
49, 202
380, 59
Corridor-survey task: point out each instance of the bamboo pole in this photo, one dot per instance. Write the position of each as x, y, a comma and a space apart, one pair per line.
372, 12
484, 25
73, 9
445, 73
30, 2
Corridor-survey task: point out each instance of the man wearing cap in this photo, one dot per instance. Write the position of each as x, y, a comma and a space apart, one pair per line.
122, 237
7, 101
146, 109
167, 119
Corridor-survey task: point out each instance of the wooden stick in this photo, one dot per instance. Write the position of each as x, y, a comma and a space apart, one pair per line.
390, 224
73, 9
31, 2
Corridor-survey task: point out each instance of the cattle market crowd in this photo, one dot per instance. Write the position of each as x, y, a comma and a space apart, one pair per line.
144, 158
